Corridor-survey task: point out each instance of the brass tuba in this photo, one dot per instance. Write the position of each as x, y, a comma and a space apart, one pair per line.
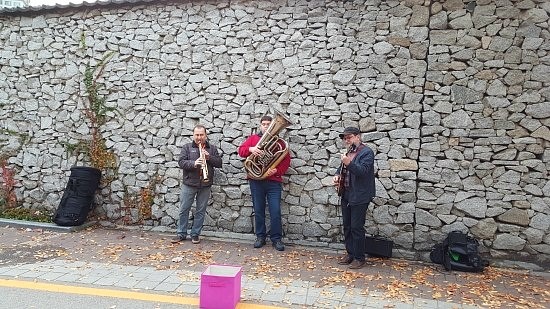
257, 166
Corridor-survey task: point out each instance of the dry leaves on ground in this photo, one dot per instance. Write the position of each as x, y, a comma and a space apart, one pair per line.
394, 279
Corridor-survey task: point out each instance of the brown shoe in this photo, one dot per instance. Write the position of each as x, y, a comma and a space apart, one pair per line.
177, 239
357, 264
345, 260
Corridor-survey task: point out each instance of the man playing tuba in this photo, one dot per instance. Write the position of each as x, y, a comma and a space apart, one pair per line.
268, 155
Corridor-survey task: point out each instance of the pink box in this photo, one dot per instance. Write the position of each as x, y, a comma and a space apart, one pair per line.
220, 287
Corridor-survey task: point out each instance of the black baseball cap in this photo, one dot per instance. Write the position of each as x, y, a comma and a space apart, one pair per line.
350, 130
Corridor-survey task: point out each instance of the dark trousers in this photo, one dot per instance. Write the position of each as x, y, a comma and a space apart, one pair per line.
267, 191
353, 219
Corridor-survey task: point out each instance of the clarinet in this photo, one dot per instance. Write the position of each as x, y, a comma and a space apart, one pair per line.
204, 166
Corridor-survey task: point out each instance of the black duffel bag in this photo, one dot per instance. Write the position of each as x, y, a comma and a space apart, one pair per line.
459, 251
78, 198
378, 246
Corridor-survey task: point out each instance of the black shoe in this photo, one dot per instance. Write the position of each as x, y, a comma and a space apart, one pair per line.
279, 246
356, 264
260, 242
178, 238
195, 239
345, 260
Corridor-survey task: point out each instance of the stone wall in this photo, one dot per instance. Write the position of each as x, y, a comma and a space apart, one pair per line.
451, 95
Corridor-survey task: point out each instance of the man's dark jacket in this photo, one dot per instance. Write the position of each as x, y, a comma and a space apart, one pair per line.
191, 174
361, 169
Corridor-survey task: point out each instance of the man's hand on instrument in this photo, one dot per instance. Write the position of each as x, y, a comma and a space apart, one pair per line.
255, 150
198, 162
272, 172
335, 180
346, 160
206, 155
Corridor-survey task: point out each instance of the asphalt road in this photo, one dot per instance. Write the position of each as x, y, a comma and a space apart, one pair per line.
15, 298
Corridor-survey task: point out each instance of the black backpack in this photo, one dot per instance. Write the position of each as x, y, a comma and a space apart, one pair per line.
78, 197
458, 252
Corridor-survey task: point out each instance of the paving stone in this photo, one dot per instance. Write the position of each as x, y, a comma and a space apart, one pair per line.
50, 276
311, 288
146, 285
486, 62
167, 287
189, 288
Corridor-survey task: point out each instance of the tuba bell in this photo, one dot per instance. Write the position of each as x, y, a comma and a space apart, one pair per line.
274, 149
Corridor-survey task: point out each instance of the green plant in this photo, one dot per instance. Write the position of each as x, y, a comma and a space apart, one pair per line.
96, 112
23, 137
75, 149
143, 202
8, 199
129, 202
147, 197
20, 213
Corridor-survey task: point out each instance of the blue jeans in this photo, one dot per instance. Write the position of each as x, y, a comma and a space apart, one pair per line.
353, 219
270, 191
187, 196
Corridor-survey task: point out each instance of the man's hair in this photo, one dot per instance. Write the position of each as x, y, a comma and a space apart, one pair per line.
199, 126
266, 118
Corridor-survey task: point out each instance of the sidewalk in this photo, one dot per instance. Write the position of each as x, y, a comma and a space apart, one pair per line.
299, 277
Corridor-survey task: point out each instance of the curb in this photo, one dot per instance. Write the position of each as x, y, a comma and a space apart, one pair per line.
44, 225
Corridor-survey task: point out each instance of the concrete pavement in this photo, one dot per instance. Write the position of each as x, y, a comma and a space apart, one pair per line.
147, 263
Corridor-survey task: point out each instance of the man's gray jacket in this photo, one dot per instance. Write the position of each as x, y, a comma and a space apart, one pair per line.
191, 173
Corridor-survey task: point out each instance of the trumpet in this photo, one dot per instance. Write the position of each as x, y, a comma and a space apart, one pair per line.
204, 166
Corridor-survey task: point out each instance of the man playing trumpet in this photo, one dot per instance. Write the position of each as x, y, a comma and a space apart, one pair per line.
197, 160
